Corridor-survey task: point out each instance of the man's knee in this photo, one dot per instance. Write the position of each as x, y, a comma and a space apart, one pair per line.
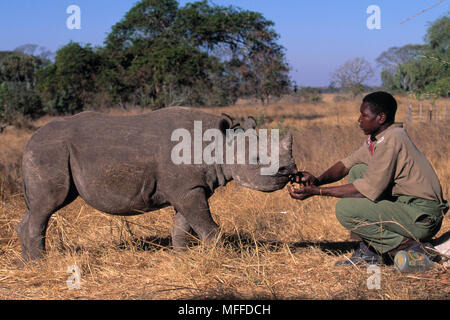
346, 213
356, 172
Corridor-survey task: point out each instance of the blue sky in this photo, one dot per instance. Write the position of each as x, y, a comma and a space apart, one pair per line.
319, 35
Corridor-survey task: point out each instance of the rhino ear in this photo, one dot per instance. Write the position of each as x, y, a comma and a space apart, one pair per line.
250, 123
286, 142
225, 122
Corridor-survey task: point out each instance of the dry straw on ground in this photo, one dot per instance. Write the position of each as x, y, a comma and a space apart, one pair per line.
276, 248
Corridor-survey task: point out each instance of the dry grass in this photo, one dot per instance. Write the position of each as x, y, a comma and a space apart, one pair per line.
278, 248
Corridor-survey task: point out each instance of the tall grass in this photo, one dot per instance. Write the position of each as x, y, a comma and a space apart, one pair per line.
273, 247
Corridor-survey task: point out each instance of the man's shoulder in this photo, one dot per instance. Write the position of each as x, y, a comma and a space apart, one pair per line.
398, 132
395, 134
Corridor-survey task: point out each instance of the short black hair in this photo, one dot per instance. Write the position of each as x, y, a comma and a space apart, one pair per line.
381, 101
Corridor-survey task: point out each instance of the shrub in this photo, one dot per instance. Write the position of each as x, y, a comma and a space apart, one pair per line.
16, 101
310, 95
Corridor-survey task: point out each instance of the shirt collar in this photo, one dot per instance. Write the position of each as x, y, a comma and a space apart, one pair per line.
382, 133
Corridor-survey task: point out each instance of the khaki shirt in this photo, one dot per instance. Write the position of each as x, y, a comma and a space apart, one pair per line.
397, 163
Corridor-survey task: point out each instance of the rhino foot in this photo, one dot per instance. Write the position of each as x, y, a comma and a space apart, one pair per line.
181, 233
184, 235
32, 247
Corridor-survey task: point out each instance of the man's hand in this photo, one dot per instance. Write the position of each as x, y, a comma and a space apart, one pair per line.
309, 184
303, 192
308, 179
304, 178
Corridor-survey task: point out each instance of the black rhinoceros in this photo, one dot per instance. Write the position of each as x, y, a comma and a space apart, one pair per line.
123, 165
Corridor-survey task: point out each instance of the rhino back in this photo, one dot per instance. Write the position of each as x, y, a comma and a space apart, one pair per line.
131, 139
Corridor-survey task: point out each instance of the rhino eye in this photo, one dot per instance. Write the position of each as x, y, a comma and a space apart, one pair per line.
283, 170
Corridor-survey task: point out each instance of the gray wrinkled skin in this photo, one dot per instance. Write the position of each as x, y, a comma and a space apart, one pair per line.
122, 165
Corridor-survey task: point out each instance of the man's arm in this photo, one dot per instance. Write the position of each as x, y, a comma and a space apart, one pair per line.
333, 174
345, 191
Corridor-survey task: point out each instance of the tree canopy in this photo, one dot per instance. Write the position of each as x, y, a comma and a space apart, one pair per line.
353, 74
196, 54
17, 83
422, 69
69, 84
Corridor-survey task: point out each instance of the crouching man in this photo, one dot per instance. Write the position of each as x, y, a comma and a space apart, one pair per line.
393, 200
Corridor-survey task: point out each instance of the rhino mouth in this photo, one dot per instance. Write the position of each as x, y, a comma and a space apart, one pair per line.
280, 183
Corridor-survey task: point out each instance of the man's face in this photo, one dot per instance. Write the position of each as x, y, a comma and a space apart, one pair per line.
369, 121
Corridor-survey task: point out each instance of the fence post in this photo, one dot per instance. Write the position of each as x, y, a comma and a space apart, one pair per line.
420, 112
410, 113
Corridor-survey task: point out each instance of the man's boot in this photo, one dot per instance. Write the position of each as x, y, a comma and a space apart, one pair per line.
408, 244
362, 255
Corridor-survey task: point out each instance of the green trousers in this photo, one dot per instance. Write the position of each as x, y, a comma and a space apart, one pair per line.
384, 224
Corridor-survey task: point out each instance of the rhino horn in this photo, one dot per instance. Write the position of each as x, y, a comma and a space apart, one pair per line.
286, 142
225, 122
250, 123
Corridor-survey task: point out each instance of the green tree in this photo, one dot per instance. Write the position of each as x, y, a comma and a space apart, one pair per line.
422, 69
438, 35
151, 64
389, 60
246, 41
17, 102
17, 81
438, 57
35, 50
19, 67
69, 84
162, 54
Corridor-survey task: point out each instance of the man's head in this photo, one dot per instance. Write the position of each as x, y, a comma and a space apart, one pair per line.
377, 112
382, 102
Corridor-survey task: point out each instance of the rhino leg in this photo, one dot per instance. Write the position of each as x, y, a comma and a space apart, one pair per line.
46, 189
181, 232
23, 235
193, 212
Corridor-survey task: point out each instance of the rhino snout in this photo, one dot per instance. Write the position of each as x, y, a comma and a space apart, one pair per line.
287, 170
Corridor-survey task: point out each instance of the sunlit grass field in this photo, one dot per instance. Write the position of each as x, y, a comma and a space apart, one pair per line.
274, 247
